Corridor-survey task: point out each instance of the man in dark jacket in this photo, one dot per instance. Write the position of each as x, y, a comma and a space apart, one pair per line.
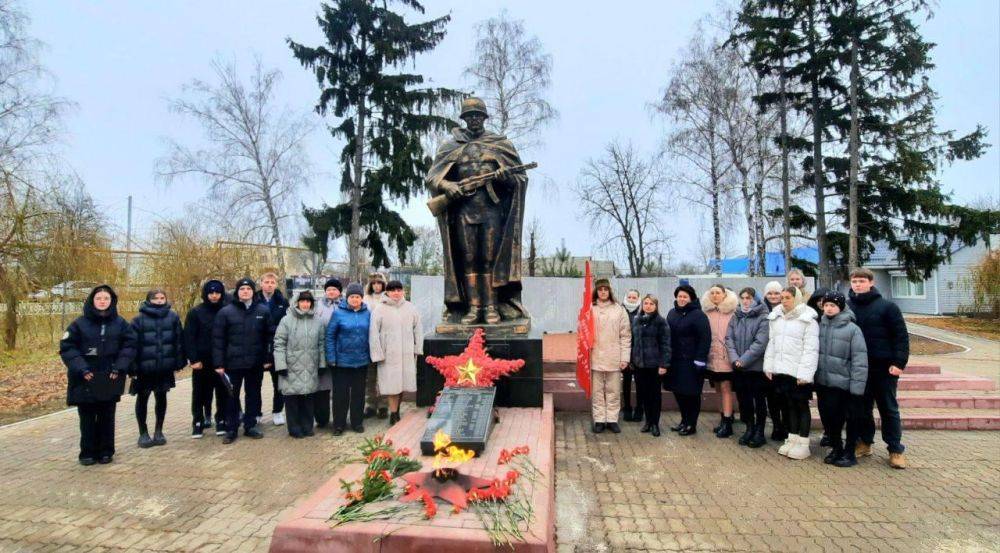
270, 296
97, 349
198, 327
888, 344
241, 343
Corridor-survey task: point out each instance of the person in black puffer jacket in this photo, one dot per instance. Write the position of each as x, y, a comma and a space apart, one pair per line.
690, 340
888, 343
650, 360
159, 353
241, 344
632, 305
97, 349
198, 347
270, 295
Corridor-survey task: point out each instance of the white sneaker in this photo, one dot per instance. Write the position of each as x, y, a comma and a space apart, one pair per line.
789, 441
279, 419
800, 449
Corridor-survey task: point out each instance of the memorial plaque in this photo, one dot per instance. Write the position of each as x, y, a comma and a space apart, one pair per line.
465, 414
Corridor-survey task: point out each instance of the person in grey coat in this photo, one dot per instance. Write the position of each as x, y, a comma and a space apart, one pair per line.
298, 356
746, 342
325, 307
841, 376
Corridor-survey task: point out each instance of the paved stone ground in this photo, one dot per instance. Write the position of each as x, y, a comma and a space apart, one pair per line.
633, 492
697, 493
190, 495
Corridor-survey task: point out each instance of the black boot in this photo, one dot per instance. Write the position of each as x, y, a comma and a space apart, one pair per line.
779, 433
613, 426
625, 414
722, 420
677, 427
834, 454
825, 441
637, 413
687, 431
726, 428
383, 412
745, 438
757, 439
847, 459
598, 427
655, 431
646, 428
393, 418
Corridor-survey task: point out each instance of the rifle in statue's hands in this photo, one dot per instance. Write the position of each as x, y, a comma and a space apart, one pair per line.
438, 204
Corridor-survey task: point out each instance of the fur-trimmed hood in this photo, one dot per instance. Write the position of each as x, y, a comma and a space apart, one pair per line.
728, 305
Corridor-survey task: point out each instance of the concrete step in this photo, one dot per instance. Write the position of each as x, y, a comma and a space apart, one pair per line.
923, 368
945, 382
950, 399
939, 419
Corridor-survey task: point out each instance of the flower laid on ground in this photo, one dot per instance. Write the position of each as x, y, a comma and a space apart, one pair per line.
376, 482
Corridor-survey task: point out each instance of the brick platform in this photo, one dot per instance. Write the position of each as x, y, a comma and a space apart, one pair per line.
307, 528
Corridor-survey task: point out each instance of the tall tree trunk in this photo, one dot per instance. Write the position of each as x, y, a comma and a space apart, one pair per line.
532, 252
750, 213
713, 158
8, 294
785, 195
354, 239
272, 217
819, 180
853, 260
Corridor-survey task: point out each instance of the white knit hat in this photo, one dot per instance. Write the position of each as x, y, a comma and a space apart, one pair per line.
773, 286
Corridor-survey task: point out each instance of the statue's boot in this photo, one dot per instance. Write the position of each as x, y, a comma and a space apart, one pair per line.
473, 282
492, 315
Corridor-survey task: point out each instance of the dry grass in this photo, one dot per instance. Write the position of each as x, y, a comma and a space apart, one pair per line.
927, 346
983, 328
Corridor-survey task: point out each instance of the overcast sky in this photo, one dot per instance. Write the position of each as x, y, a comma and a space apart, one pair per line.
121, 60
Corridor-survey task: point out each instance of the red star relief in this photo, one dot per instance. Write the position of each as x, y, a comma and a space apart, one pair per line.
473, 368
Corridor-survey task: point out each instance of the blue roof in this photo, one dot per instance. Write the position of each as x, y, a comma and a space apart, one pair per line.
774, 262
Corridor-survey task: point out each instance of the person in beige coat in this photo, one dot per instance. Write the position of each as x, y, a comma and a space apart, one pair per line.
610, 356
395, 339
374, 403
719, 305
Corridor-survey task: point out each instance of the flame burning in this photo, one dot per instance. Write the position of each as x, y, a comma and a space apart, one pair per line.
448, 456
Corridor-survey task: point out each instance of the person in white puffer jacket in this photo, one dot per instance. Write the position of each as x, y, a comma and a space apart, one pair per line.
790, 362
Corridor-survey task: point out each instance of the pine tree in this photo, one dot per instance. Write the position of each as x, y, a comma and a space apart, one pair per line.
383, 114
888, 178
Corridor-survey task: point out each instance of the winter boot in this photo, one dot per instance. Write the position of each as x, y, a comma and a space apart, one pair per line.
722, 420
757, 439
745, 438
726, 428
835, 453
159, 438
789, 442
145, 441
847, 459
637, 414
800, 448
825, 441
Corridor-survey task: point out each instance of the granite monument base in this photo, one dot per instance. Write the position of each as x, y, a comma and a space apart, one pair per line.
308, 526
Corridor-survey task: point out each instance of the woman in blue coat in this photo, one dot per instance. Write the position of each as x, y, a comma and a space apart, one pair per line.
690, 340
159, 353
97, 349
348, 355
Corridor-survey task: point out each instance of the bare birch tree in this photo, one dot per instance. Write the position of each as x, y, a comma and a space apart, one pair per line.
512, 72
692, 102
623, 197
253, 157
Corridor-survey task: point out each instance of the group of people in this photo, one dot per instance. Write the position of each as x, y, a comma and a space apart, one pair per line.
771, 351
326, 355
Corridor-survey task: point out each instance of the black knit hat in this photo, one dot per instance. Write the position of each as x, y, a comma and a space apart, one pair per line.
836, 297
333, 283
246, 281
686, 288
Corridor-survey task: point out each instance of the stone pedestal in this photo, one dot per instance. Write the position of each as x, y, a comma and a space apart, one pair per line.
521, 389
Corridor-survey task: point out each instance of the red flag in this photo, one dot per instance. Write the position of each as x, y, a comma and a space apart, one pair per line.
585, 334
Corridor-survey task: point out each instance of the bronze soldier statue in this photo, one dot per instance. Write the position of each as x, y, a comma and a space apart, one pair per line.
479, 184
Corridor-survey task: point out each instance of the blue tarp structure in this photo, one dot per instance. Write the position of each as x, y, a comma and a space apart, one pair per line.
774, 262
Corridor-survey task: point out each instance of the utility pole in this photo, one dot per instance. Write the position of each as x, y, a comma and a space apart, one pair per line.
128, 246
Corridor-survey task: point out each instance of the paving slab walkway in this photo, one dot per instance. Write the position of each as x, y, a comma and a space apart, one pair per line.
982, 358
